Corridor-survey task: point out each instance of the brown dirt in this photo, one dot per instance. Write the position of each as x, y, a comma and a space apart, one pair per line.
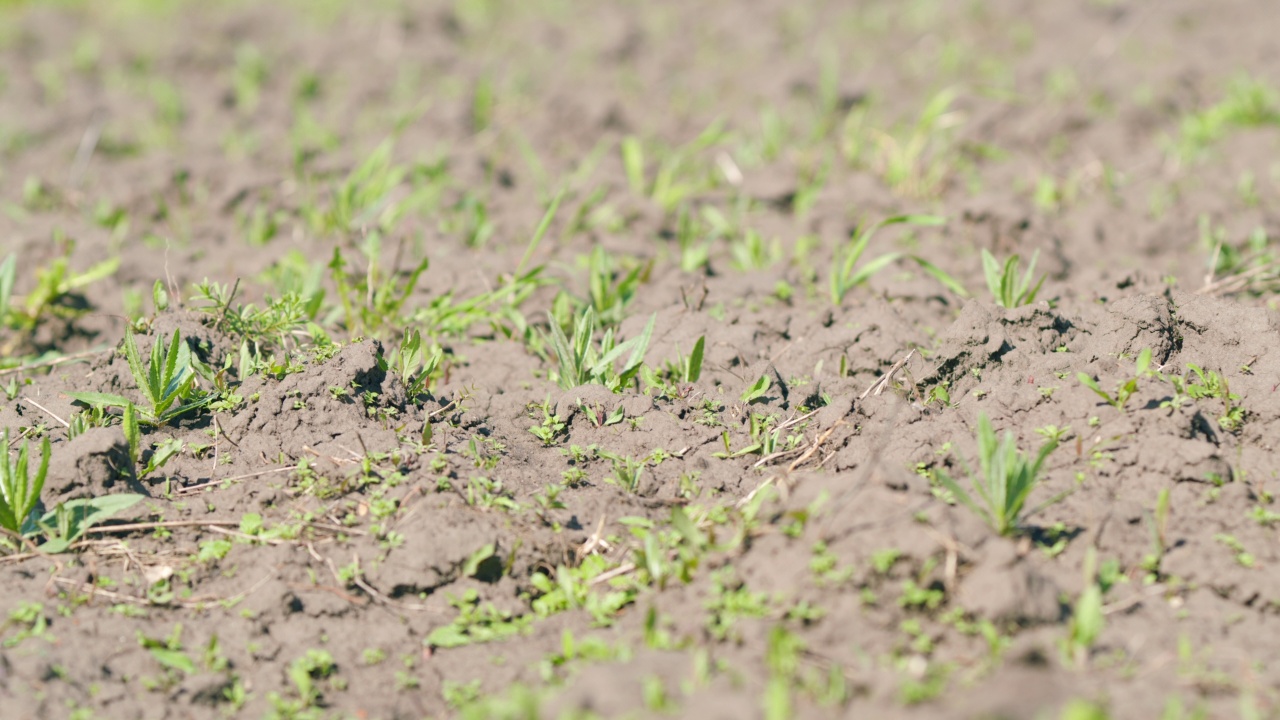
378, 541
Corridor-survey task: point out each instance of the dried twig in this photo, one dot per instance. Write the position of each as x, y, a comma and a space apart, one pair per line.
49, 412
879, 385
214, 483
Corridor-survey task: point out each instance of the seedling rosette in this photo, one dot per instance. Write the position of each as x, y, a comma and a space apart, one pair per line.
166, 382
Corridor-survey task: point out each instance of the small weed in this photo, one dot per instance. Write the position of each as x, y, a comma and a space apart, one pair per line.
1007, 289
1124, 390
583, 361
1005, 482
847, 275
166, 383
1087, 619
756, 390
21, 491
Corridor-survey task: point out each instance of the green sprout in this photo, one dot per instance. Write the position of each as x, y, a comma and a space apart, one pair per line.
848, 275
582, 362
166, 382
1006, 287
21, 491
1124, 390
1006, 480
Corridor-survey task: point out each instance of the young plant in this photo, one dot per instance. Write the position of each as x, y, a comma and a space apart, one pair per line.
166, 382
1124, 390
8, 273
1087, 619
582, 362
1007, 477
685, 370
21, 491
1158, 523
848, 275
415, 366
1006, 287
757, 389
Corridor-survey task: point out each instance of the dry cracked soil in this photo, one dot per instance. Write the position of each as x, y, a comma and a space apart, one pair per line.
549, 359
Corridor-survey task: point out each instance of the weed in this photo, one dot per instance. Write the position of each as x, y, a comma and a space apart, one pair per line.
477, 623
417, 369
756, 390
551, 427
1249, 102
1124, 390
51, 295
1087, 619
166, 383
1006, 480
1008, 290
21, 491
847, 275
583, 362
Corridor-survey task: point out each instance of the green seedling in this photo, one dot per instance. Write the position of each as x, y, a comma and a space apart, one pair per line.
415, 366
1210, 384
848, 275
1087, 619
582, 362
21, 491
1124, 390
372, 299
53, 284
1008, 290
166, 382
915, 160
685, 370
551, 427
1158, 523
609, 297
1249, 102
757, 389
69, 521
1007, 478
8, 274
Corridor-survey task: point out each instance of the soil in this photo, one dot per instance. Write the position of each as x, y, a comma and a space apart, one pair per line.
333, 546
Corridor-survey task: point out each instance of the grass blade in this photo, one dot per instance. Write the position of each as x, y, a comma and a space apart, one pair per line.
8, 273
693, 370
941, 276
140, 375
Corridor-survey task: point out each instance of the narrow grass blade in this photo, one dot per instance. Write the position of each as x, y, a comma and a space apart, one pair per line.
694, 369
941, 276
538, 234
141, 377
991, 270
871, 268
8, 273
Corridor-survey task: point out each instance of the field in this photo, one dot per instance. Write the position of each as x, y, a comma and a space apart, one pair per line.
553, 359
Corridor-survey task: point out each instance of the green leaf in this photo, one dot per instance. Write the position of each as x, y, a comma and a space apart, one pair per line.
133, 434
141, 376
160, 296
991, 269
74, 517
97, 399
472, 565
175, 659
757, 389
693, 370
8, 274
941, 276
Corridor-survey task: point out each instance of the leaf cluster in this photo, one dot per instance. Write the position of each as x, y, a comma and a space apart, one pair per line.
1005, 481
